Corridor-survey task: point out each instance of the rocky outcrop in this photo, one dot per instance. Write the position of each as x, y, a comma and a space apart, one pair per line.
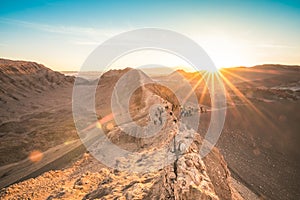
188, 177
194, 178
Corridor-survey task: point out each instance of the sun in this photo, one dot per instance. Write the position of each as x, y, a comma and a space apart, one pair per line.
225, 52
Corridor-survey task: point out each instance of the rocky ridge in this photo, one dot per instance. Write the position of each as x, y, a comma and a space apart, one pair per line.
188, 177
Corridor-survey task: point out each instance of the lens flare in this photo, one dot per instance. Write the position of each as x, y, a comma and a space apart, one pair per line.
110, 126
98, 125
35, 156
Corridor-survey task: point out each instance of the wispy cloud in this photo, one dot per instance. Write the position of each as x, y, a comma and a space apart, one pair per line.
88, 43
279, 46
88, 35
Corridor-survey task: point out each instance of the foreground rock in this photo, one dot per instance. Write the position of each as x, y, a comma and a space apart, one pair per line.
188, 177
89, 179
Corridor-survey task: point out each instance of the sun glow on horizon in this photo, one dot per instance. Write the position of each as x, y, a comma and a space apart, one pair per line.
225, 51
157, 58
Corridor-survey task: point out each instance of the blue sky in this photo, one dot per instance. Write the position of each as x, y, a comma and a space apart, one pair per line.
61, 34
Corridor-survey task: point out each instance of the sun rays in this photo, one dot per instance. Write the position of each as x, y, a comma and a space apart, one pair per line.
207, 83
229, 85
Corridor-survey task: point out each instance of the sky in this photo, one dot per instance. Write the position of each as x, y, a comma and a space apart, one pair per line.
61, 34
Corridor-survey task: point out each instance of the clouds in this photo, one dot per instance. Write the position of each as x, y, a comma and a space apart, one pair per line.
276, 46
232, 33
79, 35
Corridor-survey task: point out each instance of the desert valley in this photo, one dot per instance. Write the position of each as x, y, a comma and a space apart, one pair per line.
256, 157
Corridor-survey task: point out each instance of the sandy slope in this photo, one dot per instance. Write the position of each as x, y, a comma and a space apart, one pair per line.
35, 107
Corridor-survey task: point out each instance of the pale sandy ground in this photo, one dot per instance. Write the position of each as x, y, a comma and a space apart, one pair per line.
245, 192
